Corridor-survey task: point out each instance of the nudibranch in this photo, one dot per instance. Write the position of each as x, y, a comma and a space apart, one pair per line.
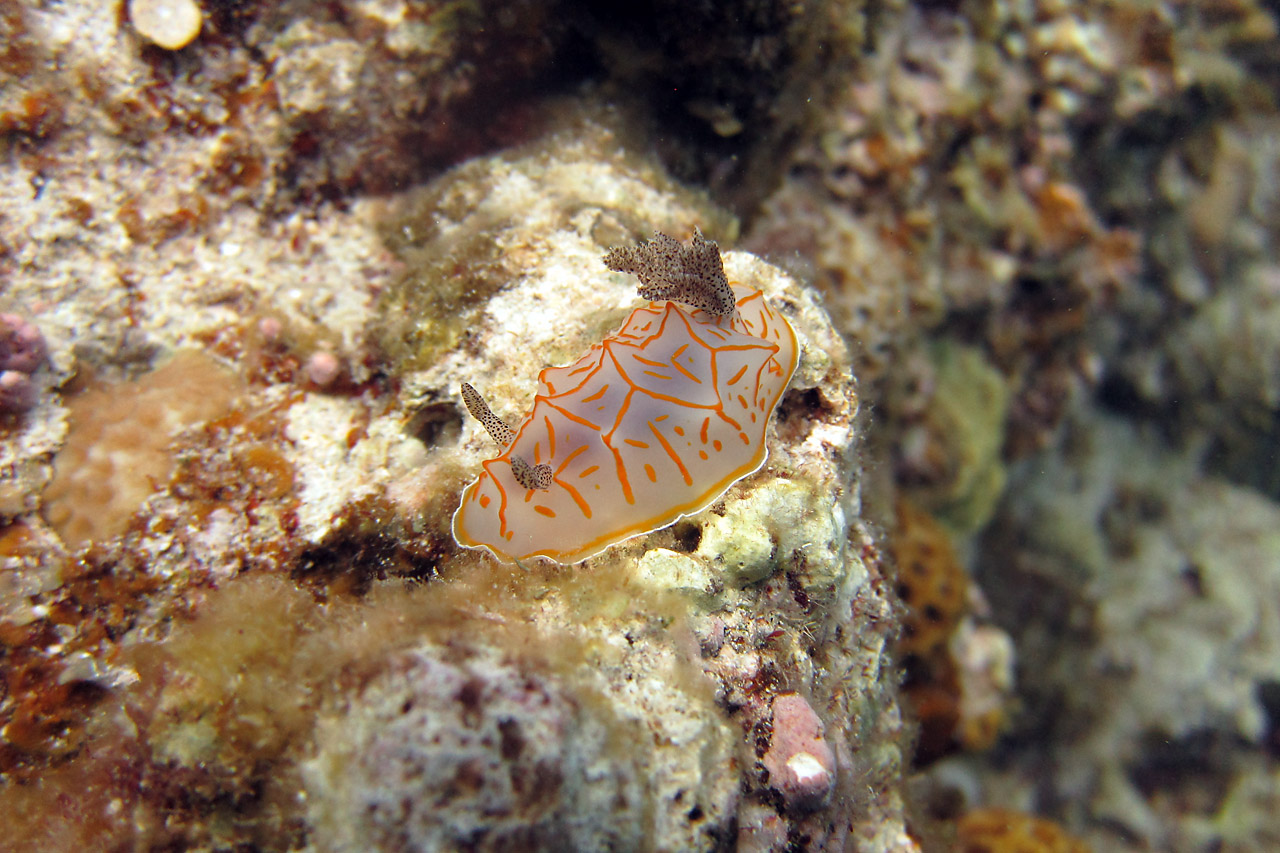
652, 424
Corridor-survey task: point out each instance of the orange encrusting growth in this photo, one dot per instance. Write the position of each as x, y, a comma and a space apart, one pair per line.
654, 423
995, 830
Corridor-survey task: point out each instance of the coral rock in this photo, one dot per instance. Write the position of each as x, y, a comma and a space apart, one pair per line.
481, 754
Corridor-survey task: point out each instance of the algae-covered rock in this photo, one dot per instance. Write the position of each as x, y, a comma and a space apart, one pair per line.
246, 641
440, 753
774, 526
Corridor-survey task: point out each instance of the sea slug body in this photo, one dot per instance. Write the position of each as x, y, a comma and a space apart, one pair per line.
652, 424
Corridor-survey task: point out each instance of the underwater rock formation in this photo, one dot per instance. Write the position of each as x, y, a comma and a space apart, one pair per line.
228, 604
262, 559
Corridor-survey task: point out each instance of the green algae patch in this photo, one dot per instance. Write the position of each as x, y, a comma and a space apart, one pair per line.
967, 415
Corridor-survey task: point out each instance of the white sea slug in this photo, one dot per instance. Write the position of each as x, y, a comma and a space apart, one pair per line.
653, 423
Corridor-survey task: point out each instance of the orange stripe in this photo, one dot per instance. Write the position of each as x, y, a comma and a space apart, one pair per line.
597, 395
760, 383
551, 437
580, 449
706, 422
577, 498
668, 398
677, 366
738, 375
634, 443
676, 354
652, 474
502, 494
571, 416
620, 467
627, 494
587, 472
675, 457
545, 510
655, 375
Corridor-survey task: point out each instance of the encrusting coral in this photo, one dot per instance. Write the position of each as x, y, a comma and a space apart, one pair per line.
801, 765
958, 670
451, 748
931, 582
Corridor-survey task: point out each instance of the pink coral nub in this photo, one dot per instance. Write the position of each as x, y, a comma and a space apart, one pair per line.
21, 344
22, 350
801, 765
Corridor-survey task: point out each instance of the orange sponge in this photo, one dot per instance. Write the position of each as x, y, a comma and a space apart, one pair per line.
931, 582
1003, 831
